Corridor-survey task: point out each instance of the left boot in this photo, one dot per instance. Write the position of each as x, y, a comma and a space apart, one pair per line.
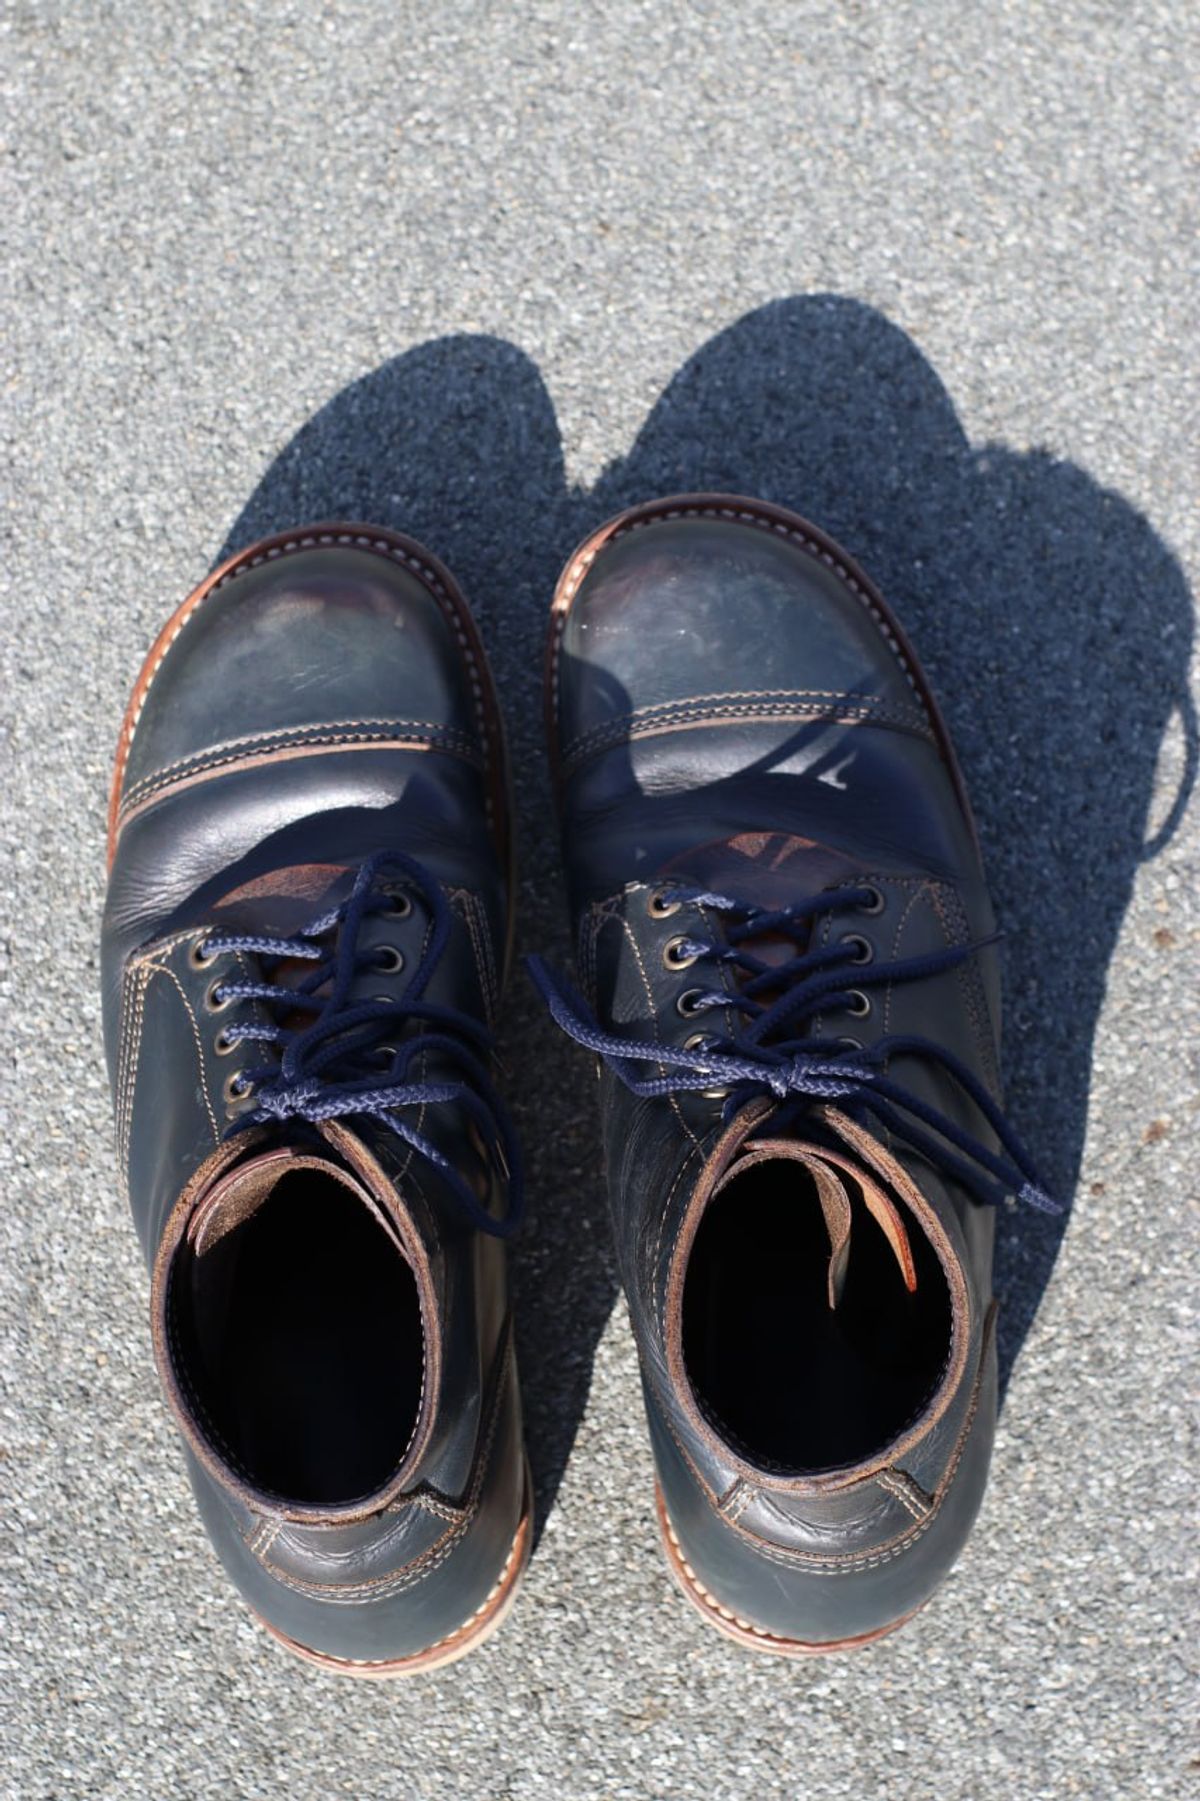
308, 917
788, 954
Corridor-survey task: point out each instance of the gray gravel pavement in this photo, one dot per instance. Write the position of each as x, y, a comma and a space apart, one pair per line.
926, 271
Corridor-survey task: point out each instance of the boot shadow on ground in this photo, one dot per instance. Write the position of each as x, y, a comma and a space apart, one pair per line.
1054, 624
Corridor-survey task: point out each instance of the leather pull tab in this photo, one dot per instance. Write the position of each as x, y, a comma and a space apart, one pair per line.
886, 1214
832, 1176
835, 1207
831, 1194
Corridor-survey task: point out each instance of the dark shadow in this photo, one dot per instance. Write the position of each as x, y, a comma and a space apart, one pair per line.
1054, 624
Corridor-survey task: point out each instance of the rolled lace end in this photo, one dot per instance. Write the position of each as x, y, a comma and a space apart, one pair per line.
1033, 1196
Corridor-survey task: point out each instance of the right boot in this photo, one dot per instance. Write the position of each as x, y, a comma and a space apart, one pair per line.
306, 934
788, 959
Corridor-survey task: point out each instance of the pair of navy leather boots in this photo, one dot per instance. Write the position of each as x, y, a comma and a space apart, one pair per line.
786, 968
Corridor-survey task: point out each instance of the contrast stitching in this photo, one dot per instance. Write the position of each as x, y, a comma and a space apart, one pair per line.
128, 1063
445, 1510
266, 1530
737, 1499
359, 1663
142, 968
910, 906
470, 911
633, 944
769, 699
839, 1564
835, 1563
903, 1488
661, 1233
589, 934
238, 750
647, 721
957, 928
708, 1601
258, 740
162, 947
165, 970
434, 1555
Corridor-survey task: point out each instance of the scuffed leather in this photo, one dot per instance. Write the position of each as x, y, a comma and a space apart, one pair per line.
229, 784
731, 710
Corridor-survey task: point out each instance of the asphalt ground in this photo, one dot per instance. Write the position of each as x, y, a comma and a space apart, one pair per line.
926, 272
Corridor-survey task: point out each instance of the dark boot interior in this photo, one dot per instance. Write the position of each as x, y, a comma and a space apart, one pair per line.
792, 1383
299, 1337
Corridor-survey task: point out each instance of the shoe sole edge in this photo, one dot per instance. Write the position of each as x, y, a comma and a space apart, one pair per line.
743, 1632
487, 1618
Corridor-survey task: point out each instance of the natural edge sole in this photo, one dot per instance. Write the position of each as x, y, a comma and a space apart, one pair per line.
742, 1631
483, 1622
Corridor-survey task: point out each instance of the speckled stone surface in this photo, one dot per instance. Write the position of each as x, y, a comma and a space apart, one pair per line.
485, 273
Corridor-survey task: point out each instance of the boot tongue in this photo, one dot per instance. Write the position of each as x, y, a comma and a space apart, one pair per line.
239, 1193
281, 901
280, 904
765, 869
834, 1176
769, 870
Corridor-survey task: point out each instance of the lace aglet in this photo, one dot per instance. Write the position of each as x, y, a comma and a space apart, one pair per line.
1033, 1196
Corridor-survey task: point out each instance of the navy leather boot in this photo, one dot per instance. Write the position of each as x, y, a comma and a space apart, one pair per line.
786, 952
305, 939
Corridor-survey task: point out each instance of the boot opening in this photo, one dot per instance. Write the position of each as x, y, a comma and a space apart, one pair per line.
791, 1381
296, 1333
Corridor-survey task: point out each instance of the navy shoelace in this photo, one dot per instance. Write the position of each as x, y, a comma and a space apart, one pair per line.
345, 1061
769, 1054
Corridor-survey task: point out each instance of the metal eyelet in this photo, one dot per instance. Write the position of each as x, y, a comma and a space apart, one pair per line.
223, 1043
858, 1004
198, 955
399, 907
674, 957
383, 1053
210, 997
388, 960
851, 1044
700, 1041
864, 950
659, 905
876, 903
237, 1088
686, 1005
